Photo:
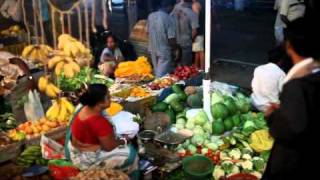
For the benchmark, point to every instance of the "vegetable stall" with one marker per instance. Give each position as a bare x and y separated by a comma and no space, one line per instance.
178,131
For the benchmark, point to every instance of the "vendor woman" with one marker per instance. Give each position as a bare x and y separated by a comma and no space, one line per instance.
91,141
110,57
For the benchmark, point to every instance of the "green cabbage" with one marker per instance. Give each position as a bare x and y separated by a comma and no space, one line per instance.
204,151
198,130
201,118
212,146
207,127
190,125
197,139
192,149
216,97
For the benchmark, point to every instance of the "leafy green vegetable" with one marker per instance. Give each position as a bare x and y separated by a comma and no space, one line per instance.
171,114
258,164
228,124
216,97
243,103
227,166
201,118
249,127
190,125
219,111
198,130
160,107
197,139
176,106
265,155
207,127
192,149
217,127
170,98
231,105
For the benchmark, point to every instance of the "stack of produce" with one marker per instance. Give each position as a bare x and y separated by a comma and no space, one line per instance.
45,86
34,129
185,72
64,65
7,122
138,70
139,92
173,104
86,75
60,111
114,109
11,31
37,53
73,48
235,141
31,155
161,83
226,111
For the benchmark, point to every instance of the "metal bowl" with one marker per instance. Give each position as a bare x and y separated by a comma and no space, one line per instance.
147,135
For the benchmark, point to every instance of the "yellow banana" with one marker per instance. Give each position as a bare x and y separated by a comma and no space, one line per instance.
68,71
54,61
55,89
69,106
50,91
67,50
26,51
69,59
59,68
53,112
42,83
75,67
62,113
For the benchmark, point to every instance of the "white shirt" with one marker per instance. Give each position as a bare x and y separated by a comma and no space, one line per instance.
292,9
266,85
298,70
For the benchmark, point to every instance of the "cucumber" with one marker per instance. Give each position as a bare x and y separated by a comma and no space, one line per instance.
160,107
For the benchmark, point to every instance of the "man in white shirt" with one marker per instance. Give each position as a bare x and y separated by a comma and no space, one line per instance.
268,80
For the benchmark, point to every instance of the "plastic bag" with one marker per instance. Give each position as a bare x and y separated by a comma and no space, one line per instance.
61,169
51,149
33,108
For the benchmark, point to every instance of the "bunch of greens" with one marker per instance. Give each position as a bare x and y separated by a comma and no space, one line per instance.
86,75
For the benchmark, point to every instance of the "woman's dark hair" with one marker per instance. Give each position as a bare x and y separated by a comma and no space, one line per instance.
111,36
94,94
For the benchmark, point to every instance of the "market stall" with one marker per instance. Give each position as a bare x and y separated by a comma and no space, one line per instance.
182,126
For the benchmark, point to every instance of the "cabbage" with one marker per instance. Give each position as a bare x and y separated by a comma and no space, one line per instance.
212,146
243,103
201,118
180,126
190,125
207,135
208,127
216,97
186,143
198,130
248,127
180,121
197,139
192,149
204,151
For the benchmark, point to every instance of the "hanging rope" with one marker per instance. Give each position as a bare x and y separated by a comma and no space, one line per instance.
79,23
25,21
105,15
69,23
86,19
41,23
35,24
54,30
93,15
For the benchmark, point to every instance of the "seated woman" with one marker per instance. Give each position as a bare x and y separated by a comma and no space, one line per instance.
111,56
268,79
91,141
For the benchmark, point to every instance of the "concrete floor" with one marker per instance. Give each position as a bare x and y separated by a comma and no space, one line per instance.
241,44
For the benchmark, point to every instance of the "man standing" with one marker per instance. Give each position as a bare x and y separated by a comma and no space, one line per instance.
288,10
187,23
294,124
162,39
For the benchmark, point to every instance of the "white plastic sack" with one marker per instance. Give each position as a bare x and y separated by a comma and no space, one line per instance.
33,108
124,124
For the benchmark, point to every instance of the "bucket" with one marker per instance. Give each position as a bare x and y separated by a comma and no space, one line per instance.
197,167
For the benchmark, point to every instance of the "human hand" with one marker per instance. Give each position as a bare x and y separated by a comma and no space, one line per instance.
272,107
